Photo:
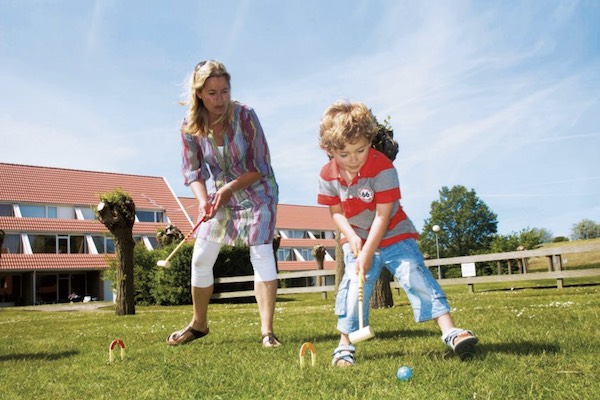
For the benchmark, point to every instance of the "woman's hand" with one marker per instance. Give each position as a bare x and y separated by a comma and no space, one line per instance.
222,196
204,208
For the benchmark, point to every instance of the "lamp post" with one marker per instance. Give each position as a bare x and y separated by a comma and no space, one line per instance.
436,229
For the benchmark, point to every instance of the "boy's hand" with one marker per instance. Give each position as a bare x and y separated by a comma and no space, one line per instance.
355,243
363,265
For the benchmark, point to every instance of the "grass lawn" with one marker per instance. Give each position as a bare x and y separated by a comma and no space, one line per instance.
535,343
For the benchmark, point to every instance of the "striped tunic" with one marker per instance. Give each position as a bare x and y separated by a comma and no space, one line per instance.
249,217
377,182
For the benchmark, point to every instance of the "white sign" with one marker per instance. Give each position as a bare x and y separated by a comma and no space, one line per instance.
468,269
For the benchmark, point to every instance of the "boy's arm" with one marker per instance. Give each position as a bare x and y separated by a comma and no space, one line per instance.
340,220
378,229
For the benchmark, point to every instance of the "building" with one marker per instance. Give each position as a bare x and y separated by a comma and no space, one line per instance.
300,228
53,247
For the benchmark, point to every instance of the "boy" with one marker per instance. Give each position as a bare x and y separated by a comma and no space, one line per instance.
360,186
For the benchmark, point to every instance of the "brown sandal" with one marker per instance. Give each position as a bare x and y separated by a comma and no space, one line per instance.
270,340
195,334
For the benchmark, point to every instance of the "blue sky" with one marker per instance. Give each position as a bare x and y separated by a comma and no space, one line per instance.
502,97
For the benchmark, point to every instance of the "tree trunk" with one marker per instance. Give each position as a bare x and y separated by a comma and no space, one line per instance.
339,260
125,301
116,211
382,293
276,243
319,252
385,143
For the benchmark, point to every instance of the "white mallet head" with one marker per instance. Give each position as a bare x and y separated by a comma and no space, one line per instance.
163,263
361,335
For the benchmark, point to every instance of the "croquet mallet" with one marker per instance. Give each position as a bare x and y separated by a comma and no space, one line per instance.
364,332
166,263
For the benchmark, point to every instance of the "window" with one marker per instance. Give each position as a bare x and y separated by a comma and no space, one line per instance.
286,255
31,211
63,244
322,234
104,244
66,213
331,252
43,243
154,242
58,244
12,244
100,245
110,245
77,245
293,234
6,210
150,216
88,213
306,254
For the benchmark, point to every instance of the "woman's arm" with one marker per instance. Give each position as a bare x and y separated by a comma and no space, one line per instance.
225,193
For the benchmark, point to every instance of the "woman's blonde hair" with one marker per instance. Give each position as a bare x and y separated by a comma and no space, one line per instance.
197,115
344,122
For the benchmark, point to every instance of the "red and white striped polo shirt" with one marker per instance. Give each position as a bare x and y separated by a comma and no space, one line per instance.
376,183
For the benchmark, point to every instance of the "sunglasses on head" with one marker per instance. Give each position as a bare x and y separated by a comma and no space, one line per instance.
200,65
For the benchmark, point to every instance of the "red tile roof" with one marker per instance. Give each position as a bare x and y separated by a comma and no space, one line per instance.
68,226
59,186
289,216
303,265
304,217
306,242
54,262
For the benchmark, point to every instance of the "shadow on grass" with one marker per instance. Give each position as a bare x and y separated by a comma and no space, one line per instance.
518,348
481,350
246,300
386,335
401,334
38,356
549,286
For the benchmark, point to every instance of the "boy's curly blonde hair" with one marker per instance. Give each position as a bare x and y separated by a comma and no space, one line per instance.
344,122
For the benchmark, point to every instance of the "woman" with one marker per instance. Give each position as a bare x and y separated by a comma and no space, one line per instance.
223,140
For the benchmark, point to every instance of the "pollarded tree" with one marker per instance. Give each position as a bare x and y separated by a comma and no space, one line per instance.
169,235
318,253
116,211
385,143
467,224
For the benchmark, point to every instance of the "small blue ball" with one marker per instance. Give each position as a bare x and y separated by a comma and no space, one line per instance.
404,373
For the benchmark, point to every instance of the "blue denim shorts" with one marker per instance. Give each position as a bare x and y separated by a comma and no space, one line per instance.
405,261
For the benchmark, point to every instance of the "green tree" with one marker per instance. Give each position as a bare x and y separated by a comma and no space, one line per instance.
467,224
585,229
531,238
504,243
